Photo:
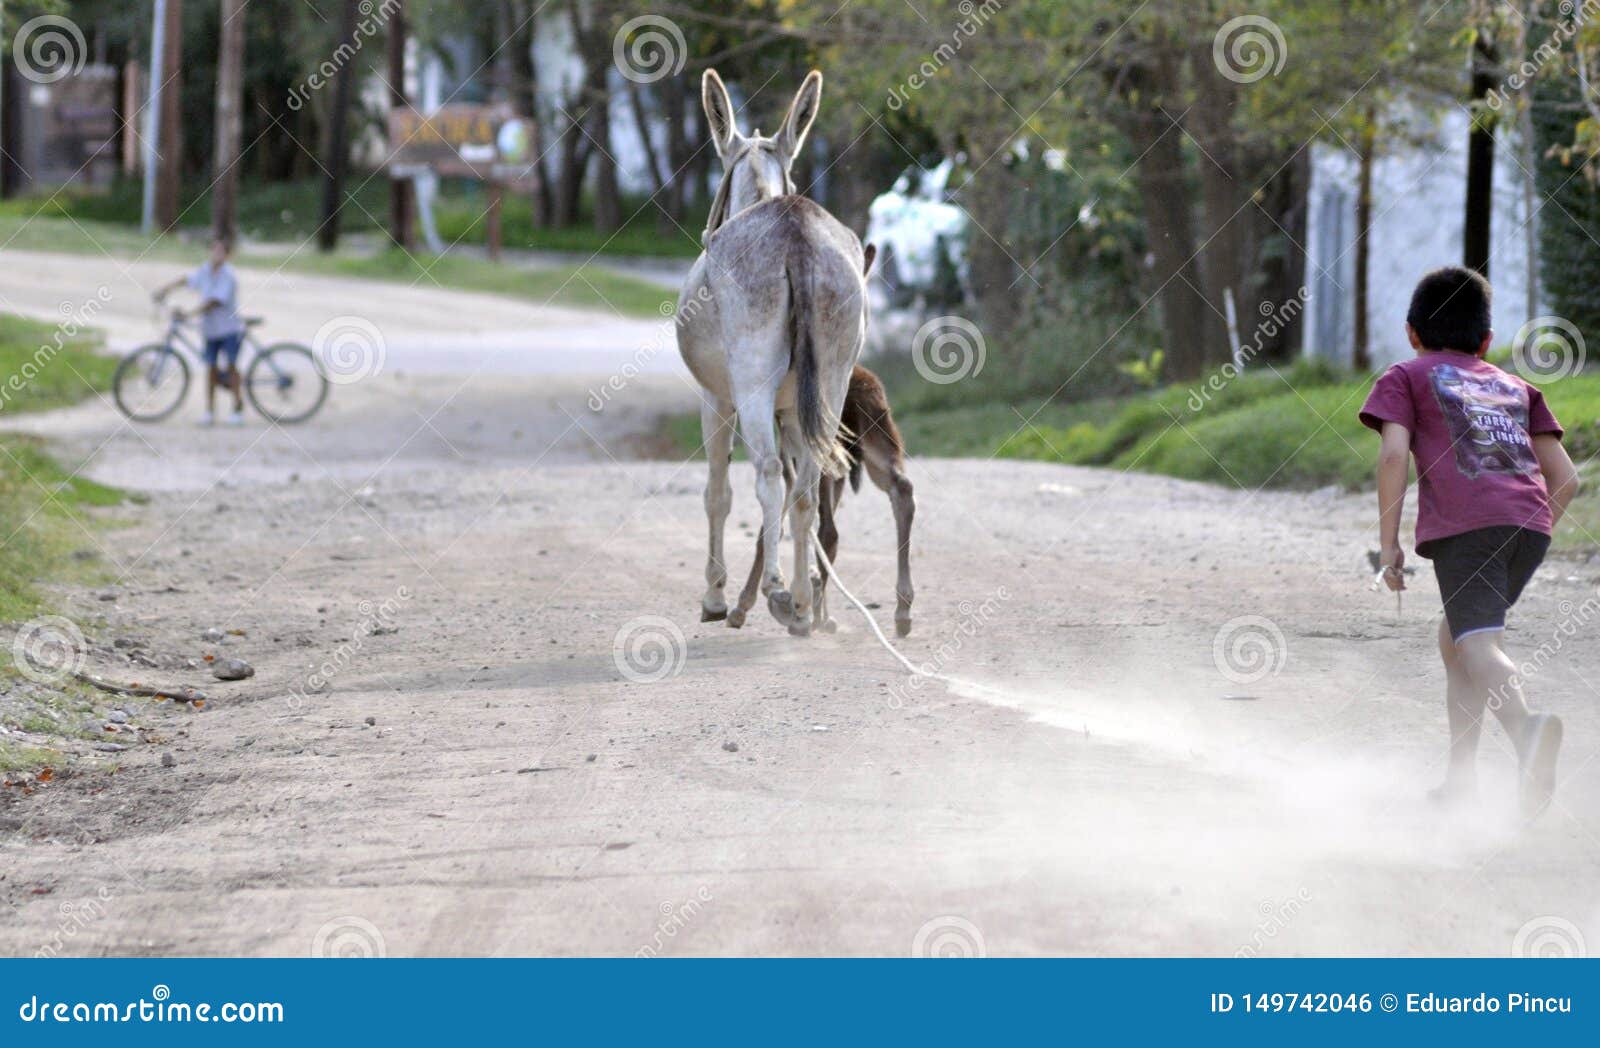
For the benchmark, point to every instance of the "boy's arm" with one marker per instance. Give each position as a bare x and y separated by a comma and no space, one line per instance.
1560,475
1394,464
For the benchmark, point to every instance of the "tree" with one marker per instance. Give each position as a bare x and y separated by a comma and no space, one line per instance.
336,141
230,82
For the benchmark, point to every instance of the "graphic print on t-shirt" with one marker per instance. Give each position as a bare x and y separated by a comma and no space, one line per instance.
1488,420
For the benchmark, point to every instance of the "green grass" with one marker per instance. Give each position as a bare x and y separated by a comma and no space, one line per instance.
583,287
43,509
292,211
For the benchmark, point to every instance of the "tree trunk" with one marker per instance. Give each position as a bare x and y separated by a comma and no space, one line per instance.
1366,144
401,206
169,163
1480,159
229,129
1227,227
336,144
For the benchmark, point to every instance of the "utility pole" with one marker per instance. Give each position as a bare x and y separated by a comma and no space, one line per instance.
336,147
229,130
152,117
171,153
400,202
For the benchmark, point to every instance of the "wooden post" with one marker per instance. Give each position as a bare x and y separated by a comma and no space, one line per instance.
229,122
169,147
132,81
336,145
401,207
492,222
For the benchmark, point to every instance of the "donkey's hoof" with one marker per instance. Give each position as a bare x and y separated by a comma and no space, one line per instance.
736,618
712,614
781,604
902,627
800,629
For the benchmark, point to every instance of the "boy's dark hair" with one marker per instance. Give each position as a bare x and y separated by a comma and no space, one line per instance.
1450,309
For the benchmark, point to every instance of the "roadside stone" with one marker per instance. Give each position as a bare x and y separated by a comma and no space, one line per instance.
372,721
211,635
168,760
110,747
117,717
731,747
232,669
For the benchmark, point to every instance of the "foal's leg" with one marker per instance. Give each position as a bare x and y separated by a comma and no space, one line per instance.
716,431
887,470
831,491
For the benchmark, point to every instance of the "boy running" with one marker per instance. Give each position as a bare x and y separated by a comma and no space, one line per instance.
218,288
1492,482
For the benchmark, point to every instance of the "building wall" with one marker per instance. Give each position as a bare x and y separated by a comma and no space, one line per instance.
1419,193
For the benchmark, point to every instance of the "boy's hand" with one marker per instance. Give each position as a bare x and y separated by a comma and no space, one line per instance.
1393,562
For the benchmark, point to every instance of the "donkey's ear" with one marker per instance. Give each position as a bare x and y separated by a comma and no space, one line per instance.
719,111
802,111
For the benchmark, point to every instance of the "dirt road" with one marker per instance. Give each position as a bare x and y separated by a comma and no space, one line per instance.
1191,729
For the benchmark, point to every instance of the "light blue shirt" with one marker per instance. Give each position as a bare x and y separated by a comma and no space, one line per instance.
222,286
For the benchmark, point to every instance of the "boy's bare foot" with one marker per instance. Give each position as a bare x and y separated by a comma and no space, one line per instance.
1541,742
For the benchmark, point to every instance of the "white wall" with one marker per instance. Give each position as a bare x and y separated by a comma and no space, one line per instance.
1419,194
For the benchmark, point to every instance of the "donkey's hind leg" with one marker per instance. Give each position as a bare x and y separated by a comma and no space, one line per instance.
716,430
757,423
747,597
802,519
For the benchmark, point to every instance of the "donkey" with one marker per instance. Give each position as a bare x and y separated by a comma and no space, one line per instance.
770,321
872,440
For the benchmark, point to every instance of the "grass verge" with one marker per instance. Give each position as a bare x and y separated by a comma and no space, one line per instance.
46,527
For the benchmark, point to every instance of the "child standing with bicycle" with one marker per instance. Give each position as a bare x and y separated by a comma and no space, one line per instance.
218,287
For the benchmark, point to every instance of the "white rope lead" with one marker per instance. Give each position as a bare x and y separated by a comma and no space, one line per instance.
833,573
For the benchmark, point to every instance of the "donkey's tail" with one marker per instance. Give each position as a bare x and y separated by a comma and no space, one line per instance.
819,421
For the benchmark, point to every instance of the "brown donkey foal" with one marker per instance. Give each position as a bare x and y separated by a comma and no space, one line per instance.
872,442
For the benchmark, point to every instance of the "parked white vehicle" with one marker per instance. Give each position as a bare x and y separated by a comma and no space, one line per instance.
906,223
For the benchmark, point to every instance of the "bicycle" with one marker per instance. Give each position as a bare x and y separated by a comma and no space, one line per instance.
284,381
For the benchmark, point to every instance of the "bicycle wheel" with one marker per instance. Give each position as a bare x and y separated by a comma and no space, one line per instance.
151,382
285,383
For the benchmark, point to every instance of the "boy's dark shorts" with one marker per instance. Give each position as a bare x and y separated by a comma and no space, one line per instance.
223,353
1482,573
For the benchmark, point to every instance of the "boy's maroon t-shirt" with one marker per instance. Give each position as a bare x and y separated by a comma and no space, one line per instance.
1472,428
